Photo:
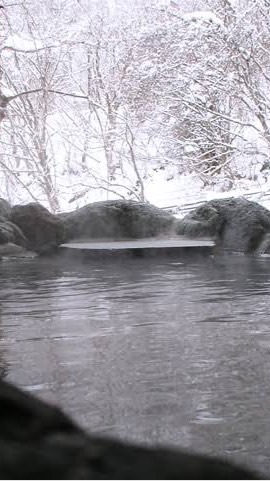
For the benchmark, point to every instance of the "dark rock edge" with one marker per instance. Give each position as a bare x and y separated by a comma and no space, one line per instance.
38,441
235,224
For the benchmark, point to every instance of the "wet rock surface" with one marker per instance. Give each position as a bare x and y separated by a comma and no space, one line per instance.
237,224
43,230
117,219
5,209
34,227
10,232
39,441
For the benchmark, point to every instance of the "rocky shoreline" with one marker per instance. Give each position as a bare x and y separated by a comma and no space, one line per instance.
38,441
235,224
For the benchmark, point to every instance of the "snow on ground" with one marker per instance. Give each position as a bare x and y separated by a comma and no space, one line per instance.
178,194
184,193
203,16
20,42
78,183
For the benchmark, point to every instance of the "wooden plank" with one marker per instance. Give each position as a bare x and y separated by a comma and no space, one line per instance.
140,244
141,247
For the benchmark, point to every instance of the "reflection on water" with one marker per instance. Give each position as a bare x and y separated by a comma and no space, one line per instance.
158,352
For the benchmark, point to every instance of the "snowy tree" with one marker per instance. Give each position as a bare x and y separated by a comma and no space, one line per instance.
200,81
93,95
183,79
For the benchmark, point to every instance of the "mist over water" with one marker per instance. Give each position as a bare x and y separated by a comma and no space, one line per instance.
156,351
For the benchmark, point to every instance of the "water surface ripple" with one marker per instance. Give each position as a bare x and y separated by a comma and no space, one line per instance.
153,351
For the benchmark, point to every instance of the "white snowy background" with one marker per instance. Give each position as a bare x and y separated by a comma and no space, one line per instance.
161,101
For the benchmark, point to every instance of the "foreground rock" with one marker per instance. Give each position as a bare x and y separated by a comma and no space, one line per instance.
237,224
43,230
117,219
39,442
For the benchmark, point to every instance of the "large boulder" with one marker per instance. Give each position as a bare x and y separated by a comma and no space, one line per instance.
264,246
43,230
117,219
10,232
237,224
5,208
38,441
